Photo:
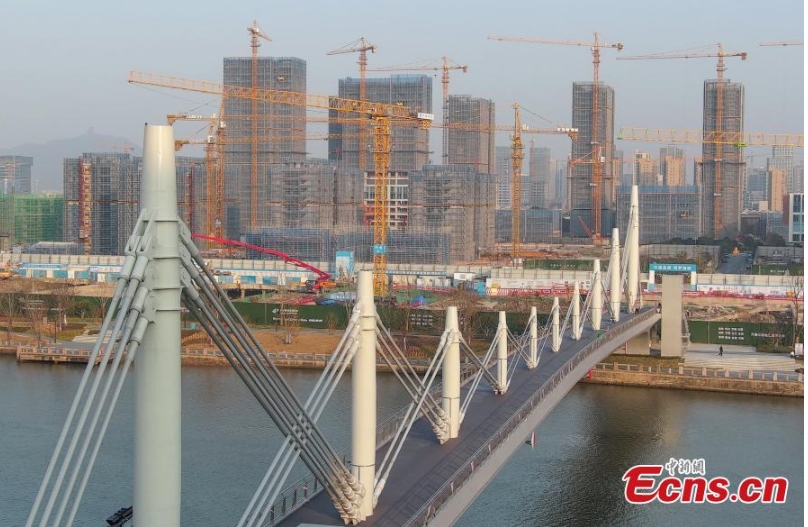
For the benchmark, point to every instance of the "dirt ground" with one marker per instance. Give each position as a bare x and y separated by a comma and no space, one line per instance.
274,341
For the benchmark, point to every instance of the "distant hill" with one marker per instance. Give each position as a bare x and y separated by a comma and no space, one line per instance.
49,157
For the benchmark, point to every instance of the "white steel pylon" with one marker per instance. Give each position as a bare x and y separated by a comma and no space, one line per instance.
363,385
576,311
451,373
614,275
597,296
502,355
533,356
556,344
158,449
633,250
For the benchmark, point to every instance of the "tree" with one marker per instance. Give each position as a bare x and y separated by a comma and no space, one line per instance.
10,306
63,299
36,308
796,294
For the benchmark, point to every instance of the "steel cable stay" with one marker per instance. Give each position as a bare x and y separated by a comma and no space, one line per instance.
122,340
134,344
263,365
401,434
132,273
328,469
566,321
315,465
412,383
268,491
482,370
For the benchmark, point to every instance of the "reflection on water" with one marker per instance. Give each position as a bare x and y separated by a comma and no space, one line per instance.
572,477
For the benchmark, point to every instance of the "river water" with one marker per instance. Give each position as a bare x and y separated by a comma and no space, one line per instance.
571,477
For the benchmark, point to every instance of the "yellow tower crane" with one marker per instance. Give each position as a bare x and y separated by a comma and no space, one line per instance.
360,46
783,43
214,166
720,54
256,33
380,114
445,67
517,157
594,157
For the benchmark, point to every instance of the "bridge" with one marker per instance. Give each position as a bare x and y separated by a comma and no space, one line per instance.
425,466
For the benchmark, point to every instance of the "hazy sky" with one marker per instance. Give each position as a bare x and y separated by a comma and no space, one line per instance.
65,64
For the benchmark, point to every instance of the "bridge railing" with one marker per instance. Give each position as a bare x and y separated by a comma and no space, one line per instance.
462,475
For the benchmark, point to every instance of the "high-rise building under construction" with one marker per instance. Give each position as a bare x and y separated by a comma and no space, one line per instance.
721,178
409,144
588,150
15,174
107,187
467,146
279,130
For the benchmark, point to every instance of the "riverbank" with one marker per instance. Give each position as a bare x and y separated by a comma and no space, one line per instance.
757,383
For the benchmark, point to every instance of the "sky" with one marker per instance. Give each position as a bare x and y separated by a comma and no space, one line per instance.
65,64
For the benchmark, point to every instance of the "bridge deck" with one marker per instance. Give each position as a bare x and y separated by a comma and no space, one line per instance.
423,466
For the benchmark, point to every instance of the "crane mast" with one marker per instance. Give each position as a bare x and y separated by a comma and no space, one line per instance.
445,68
517,156
360,46
381,115
718,159
595,152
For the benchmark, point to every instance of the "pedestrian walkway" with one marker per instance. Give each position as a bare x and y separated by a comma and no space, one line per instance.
737,358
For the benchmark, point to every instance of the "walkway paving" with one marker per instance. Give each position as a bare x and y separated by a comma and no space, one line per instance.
737,358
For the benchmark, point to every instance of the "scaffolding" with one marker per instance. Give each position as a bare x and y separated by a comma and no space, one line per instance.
409,144
106,186
666,212
285,123
729,195
580,185
474,148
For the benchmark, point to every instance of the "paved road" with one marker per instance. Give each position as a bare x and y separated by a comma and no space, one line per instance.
733,265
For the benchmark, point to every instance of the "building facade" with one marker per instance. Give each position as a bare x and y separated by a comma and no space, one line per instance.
15,174
34,218
673,166
795,218
541,179
665,212
504,177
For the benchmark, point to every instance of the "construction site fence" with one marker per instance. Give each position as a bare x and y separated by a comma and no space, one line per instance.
741,333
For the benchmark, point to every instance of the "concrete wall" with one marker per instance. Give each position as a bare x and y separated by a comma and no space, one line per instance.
687,382
672,289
